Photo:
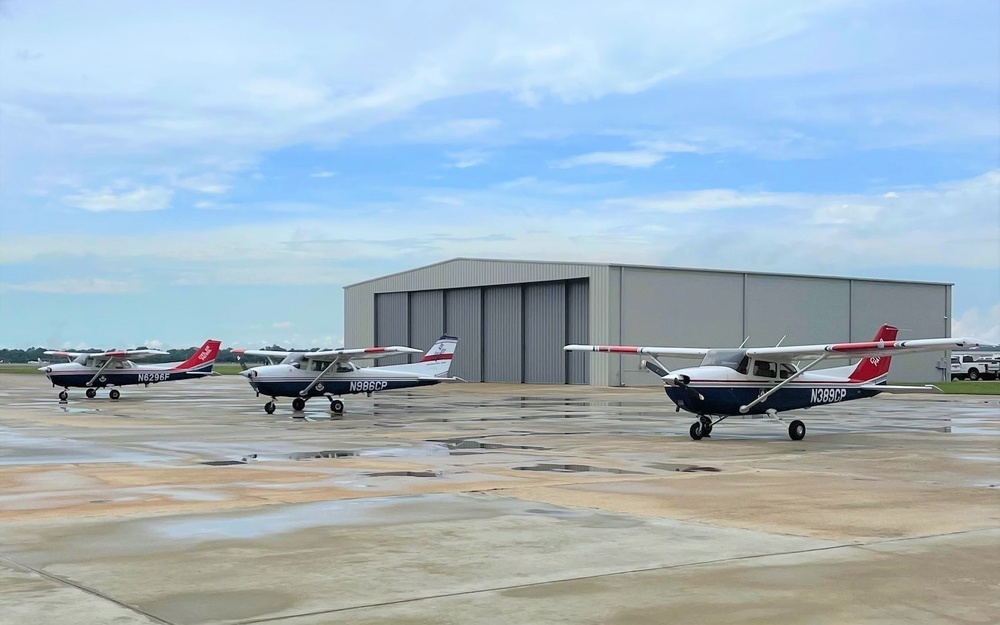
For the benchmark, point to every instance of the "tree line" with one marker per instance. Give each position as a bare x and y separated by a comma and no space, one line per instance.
37,353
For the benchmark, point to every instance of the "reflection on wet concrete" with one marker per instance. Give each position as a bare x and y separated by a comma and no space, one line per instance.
484,504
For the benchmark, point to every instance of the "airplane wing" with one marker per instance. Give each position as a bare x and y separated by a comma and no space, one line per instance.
265,353
676,352
860,350
119,354
129,354
70,355
360,353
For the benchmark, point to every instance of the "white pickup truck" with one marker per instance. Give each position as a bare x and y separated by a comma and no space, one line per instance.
967,366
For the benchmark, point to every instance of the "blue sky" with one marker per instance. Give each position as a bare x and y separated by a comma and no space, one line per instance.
173,171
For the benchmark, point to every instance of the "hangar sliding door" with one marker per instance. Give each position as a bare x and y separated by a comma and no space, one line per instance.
391,324
577,331
463,318
545,333
502,334
426,320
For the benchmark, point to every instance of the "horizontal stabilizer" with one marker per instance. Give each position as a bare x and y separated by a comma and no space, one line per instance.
885,388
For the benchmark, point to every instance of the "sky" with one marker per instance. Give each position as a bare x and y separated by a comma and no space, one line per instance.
181,170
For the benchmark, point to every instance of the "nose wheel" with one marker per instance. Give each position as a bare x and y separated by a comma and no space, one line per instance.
702,428
63,395
269,407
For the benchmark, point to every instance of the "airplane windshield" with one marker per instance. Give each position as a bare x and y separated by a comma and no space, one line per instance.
733,358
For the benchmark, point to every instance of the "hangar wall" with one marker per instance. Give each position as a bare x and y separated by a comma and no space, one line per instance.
513,317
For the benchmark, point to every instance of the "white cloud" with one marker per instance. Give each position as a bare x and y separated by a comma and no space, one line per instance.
646,154
282,325
206,183
454,130
81,286
322,174
468,158
141,199
976,323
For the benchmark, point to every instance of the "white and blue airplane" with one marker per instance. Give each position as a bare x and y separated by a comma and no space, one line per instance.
332,373
766,380
115,368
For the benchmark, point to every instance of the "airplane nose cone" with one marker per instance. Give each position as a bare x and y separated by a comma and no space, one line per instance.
45,369
249,374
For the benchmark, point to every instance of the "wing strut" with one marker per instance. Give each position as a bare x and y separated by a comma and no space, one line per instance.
99,371
745,409
306,390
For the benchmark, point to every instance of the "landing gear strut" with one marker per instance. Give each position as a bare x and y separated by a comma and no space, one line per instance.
91,393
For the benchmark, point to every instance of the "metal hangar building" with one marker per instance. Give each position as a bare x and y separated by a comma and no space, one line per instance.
513,317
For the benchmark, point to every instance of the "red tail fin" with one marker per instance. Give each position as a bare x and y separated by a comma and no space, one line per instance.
876,366
205,355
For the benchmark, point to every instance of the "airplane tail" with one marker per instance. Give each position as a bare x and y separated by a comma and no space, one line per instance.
437,361
875,367
203,359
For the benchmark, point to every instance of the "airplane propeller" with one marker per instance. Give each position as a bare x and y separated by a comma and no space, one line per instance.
672,379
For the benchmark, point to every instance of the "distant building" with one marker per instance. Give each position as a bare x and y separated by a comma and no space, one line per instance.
513,317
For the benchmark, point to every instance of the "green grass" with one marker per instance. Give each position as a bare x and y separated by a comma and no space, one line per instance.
965,387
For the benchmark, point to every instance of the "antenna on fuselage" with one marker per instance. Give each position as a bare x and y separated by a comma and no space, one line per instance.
779,342
744,342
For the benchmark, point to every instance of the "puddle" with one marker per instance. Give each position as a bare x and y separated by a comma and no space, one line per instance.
576,468
683,468
405,474
223,463
466,443
330,453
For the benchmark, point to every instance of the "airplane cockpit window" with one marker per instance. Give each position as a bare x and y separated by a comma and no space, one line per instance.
786,371
118,364
81,360
318,365
731,358
344,367
765,369
292,359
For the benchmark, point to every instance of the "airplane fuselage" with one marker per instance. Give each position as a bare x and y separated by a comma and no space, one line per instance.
73,375
722,391
289,381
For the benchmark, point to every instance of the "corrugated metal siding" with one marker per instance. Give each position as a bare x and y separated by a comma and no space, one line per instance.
919,310
463,317
577,331
804,310
391,315
426,320
678,309
502,334
545,333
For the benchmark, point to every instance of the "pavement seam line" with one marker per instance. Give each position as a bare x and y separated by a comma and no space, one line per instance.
90,591
446,595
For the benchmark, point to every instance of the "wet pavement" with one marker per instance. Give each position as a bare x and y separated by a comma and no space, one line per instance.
481,503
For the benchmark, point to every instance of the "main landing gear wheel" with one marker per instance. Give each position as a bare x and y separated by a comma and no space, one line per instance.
695,431
706,425
63,395
114,394
336,406
298,404
91,393
269,407
796,430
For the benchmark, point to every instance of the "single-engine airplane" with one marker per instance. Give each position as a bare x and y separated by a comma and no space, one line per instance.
331,373
765,380
115,368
